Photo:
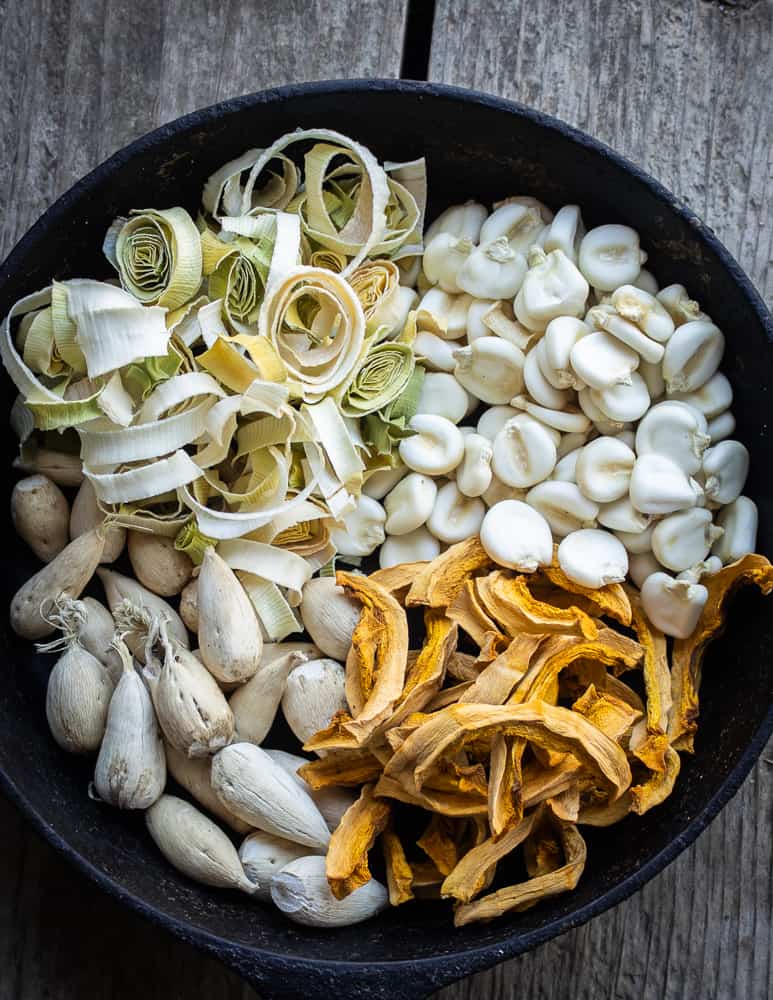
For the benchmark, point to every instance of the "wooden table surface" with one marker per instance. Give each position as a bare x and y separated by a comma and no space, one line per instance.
680,86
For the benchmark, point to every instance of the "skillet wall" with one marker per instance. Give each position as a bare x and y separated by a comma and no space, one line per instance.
474,149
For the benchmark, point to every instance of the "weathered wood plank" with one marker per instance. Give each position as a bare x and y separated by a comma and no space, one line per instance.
81,79
680,87
61,938
683,89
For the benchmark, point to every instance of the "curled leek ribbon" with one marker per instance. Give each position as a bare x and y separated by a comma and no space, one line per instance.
328,259
381,378
374,283
240,281
333,204
315,322
157,254
193,542
383,430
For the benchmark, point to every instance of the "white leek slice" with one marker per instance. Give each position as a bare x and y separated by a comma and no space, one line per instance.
144,441
300,513
223,190
215,186
228,524
260,397
221,425
240,280
338,499
65,412
177,390
263,355
137,517
38,346
251,226
375,283
115,402
322,558
328,259
209,321
265,397
279,566
331,206
367,225
65,331
24,379
314,320
269,431
379,378
228,366
334,438
114,329
287,248
412,174
263,486
402,236
275,614
157,254
150,480
183,322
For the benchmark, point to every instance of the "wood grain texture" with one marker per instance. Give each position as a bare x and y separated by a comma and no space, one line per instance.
681,87
81,78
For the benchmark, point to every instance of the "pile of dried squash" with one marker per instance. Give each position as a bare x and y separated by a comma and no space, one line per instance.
517,745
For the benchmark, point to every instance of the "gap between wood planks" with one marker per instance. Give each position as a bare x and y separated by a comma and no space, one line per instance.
417,41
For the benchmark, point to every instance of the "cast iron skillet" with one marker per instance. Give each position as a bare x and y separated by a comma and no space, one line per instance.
476,146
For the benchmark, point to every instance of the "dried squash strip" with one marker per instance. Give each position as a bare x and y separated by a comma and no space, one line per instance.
448,731
470,875
510,602
344,768
398,578
441,580
655,669
439,843
613,716
505,785
566,804
446,803
426,880
448,696
398,871
613,685
558,652
463,666
687,656
658,786
611,600
495,682
468,613
426,677
540,783
375,666
526,894
605,813
652,751
346,865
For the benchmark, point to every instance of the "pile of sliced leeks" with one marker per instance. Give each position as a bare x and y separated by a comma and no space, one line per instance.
245,372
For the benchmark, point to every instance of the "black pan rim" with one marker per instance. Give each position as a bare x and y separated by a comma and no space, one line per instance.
472,959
